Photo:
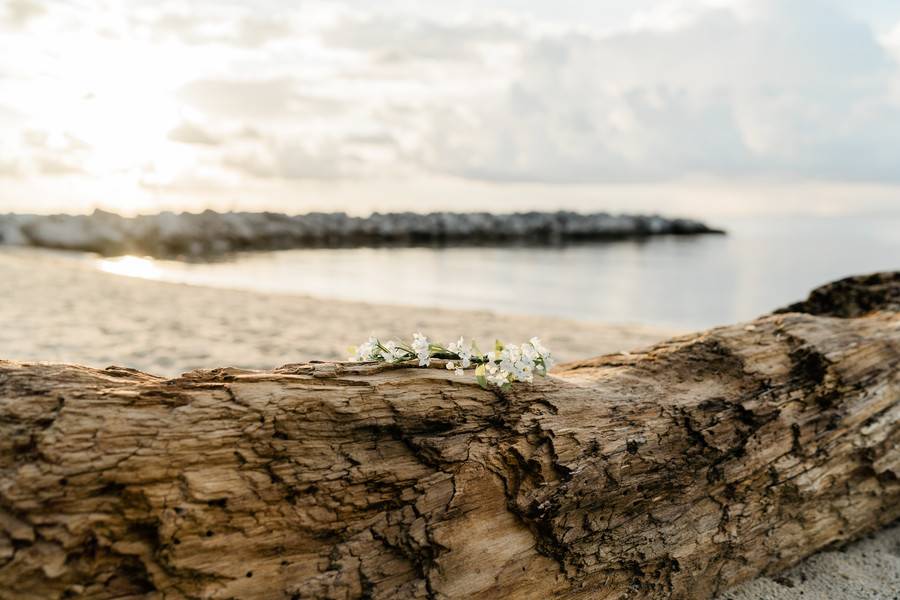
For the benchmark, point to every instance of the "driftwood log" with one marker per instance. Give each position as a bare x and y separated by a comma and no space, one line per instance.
670,473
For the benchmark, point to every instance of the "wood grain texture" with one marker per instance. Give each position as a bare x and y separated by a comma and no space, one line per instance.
670,473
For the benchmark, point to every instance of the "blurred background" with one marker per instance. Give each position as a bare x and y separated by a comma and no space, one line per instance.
777,121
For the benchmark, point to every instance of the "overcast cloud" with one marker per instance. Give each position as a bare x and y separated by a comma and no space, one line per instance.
231,96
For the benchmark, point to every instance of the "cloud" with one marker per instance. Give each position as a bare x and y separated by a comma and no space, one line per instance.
393,39
254,31
39,139
201,27
728,90
297,161
373,139
43,153
57,165
10,168
793,90
240,98
190,133
20,13
262,99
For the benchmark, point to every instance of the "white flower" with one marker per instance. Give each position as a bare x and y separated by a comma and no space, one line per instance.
463,351
366,351
422,347
496,375
394,352
544,353
537,345
453,367
518,362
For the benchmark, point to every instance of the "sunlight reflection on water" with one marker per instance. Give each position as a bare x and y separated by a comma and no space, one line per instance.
131,266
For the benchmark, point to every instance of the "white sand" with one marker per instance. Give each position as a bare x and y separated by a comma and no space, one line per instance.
61,310
56,309
866,570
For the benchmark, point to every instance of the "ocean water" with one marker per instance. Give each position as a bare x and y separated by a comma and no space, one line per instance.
689,282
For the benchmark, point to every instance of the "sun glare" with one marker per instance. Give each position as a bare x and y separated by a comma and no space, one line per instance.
107,105
130,266
125,119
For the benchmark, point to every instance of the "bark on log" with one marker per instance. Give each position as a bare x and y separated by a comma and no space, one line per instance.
852,296
670,473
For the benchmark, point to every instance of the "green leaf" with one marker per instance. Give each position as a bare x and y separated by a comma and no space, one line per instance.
480,376
498,345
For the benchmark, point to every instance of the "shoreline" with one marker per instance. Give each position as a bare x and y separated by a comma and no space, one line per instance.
62,311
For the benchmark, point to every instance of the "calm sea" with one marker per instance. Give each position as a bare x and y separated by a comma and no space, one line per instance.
686,282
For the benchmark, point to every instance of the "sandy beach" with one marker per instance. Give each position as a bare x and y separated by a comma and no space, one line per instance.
62,310
58,309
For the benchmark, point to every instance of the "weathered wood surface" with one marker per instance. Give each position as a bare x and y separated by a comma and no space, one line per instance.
852,296
670,473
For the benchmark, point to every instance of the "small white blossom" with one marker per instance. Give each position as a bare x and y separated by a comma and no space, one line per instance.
544,353
366,351
394,353
463,351
496,375
518,362
537,345
454,367
422,347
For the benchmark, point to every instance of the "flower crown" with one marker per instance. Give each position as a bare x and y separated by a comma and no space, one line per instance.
501,367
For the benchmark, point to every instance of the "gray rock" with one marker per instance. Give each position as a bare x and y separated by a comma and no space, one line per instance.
210,233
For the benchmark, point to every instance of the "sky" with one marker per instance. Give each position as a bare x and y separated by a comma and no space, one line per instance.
692,106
